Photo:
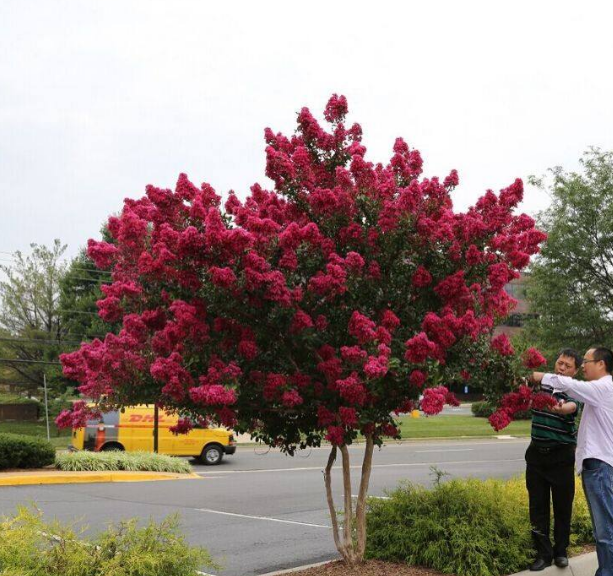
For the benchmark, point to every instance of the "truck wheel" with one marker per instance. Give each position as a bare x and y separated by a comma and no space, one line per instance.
212,455
112,447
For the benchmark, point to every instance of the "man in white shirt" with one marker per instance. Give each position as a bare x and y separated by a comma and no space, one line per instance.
594,456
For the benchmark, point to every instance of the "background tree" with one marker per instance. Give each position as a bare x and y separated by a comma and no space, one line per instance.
79,292
571,282
308,312
31,331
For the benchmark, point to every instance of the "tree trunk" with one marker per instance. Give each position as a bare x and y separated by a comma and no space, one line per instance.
351,549
360,509
348,508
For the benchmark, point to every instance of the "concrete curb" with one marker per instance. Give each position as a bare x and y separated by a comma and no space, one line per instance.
583,565
51,477
298,568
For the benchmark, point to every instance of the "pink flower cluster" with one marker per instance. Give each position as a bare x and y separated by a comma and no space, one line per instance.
435,398
183,426
419,348
523,399
502,345
532,358
78,416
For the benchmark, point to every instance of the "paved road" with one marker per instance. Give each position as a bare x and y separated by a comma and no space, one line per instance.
461,410
262,511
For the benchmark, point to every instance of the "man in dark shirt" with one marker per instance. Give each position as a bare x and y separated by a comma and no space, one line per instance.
550,469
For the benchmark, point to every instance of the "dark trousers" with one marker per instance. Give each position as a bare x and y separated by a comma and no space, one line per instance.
550,476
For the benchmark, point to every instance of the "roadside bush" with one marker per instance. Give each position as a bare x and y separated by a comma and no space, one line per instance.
115,461
16,399
464,527
29,547
484,409
17,451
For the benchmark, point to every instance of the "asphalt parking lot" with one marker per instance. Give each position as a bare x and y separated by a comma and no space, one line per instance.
260,510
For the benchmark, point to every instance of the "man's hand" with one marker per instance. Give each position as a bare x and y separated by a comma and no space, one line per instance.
564,408
557,409
537,377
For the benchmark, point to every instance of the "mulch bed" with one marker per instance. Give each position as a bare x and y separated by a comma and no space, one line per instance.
379,568
368,568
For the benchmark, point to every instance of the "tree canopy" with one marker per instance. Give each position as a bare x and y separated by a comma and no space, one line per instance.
47,307
30,322
571,281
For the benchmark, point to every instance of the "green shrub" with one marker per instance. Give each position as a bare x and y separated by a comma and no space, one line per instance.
113,461
17,451
30,547
484,409
464,527
16,399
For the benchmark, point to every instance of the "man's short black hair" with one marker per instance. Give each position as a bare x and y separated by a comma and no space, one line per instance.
572,353
604,354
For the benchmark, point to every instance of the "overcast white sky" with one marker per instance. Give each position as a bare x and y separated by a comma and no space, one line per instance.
98,99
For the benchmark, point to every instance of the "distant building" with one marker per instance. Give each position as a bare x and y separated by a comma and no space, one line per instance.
514,322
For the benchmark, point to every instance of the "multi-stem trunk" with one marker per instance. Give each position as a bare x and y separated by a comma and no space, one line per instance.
353,542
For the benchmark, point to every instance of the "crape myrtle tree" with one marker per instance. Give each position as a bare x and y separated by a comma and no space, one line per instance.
316,310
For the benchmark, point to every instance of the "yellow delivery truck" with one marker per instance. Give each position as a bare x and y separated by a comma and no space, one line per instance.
132,430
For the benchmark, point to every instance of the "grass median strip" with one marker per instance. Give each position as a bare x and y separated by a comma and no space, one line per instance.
59,438
115,461
455,426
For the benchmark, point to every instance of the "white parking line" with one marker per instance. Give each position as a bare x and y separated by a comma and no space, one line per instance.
429,451
261,518
358,467
407,442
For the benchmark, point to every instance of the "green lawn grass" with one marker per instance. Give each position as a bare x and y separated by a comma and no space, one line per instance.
39,429
446,426
450,426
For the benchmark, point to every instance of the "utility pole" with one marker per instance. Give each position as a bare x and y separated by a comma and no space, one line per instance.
156,428
46,405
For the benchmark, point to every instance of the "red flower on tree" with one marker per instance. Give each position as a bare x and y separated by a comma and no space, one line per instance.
502,345
533,359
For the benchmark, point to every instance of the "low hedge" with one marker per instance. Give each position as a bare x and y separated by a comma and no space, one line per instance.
18,451
115,460
29,546
16,399
464,527
484,409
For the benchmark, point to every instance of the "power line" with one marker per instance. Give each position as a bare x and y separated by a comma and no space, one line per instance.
13,361
82,337
77,277
37,341
80,268
65,310
91,279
